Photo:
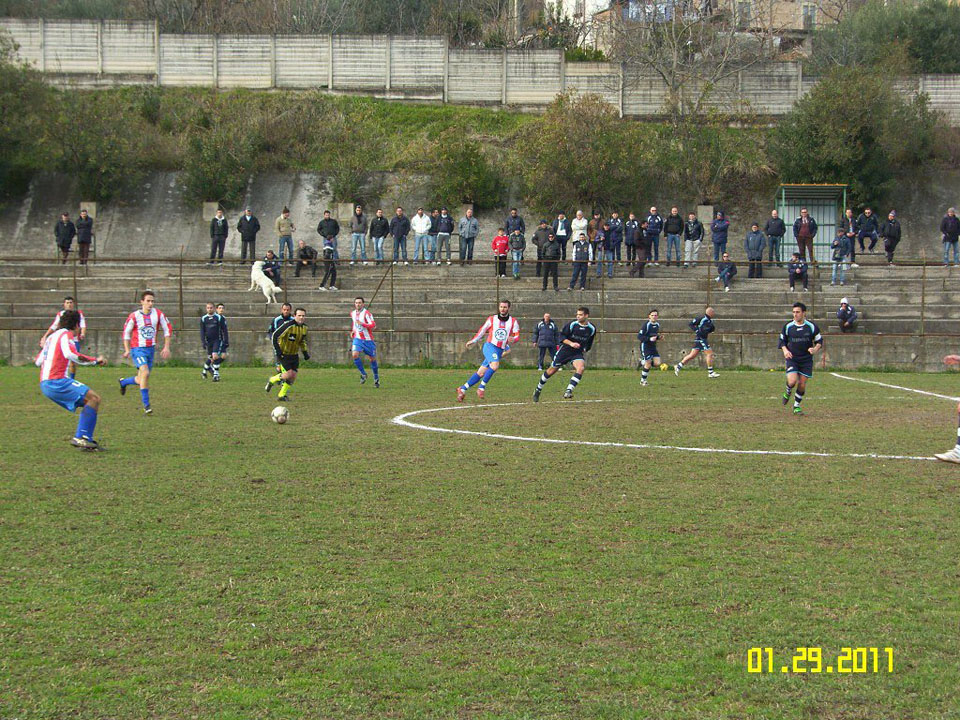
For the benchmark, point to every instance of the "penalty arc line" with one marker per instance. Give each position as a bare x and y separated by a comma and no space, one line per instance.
403,421
896,387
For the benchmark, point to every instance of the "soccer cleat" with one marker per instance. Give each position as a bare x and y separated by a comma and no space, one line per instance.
147,410
568,393
269,386
363,378
461,393
216,378
951,456
84,443
123,388
203,374
713,374
536,395
786,398
676,370
376,383
481,392
643,383
283,399
797,410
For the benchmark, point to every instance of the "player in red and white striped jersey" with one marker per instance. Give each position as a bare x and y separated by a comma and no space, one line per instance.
68,304
139,342
501,330
361,340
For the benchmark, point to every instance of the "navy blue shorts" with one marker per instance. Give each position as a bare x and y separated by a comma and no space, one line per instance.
803,366
699,344
565,355
649,351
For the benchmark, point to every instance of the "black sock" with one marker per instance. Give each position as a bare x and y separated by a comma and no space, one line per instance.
574,381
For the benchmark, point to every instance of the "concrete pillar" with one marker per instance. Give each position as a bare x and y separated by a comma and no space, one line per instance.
388,66
156,48
216,61
100,48
330,64
446,69
273,61
43,46
503,76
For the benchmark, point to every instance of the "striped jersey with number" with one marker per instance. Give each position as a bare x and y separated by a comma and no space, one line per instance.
56,321
362,324
499,332
142,329
58,352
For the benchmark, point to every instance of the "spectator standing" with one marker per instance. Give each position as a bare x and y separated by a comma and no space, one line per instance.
673,229
869,227
358,236
654,228
248,226
500,246
718,231
84,235
851,230
643,251
285,229
775,229
379,229
840,248
582,254
421,236
631,228
726,270
804,231
753,245
615,236
949,229
604,247
444,233
469,229
432,235
693,239
540,236
578,225
306,257
219,229
546,338
890,232
517,245
797,270
64,232
846,315
329,229
514,225
563,231
399,229
329,264
271,267
551,261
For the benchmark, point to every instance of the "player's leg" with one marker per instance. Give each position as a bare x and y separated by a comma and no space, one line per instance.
289,377
487,377
207,364
708,354
686,358
952,455
87,422
143,380
372,354
546,375
215,360
358,362
578,367
792,376
798,395
645,372
471,381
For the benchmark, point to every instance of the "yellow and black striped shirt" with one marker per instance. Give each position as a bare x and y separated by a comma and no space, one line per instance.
290,338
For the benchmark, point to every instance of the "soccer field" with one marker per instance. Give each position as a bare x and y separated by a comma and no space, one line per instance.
211,563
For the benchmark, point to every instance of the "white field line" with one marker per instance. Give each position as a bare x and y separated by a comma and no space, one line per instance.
896,387
403,420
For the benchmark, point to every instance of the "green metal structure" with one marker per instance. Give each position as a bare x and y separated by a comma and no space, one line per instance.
825,203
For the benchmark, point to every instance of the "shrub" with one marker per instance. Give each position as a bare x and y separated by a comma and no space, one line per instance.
461,173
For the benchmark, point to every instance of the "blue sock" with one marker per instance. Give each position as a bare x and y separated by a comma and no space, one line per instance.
359,363
474,379
72,375
145,396
376,369
486,377
128,381
86,423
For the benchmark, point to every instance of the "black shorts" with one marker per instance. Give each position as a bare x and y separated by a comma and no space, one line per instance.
648,351
290,362
804,366
565,355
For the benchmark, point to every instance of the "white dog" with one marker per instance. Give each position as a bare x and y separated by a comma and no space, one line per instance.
266,285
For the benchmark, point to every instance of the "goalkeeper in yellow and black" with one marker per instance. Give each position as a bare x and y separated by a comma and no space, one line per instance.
289,340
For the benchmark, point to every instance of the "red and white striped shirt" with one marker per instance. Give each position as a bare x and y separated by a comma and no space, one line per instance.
58,352
56,321
499,332
362,324
142,329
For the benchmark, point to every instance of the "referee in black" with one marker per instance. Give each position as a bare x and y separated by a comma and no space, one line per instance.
576,339
289,340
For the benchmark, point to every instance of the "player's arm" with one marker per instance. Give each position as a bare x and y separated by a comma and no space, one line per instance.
565,337
167,332
589,343
370,323
278,335
303,345
83,326
782,344
127,334
817,341
224,335
69,350
483,328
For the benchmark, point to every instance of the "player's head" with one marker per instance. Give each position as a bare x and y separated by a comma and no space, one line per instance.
799,311
300,315
210,308
220,308
286,309
70,319
546,317
654,314
69,303
358,303
146,300
709,312
583,314
504,308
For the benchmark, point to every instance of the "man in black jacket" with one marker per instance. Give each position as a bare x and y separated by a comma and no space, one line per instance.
84,235
248,226
869,227
219,229
775,229
546,338
950,229
64,232
673,228
444,234
692,240
540,236
271,267
399,229
328,228
306,257
631,228
890,232
379,229
551,251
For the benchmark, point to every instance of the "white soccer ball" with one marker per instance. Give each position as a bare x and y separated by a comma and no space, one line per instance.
280,414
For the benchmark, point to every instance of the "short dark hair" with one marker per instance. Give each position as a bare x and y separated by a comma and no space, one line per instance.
220,305
69,319
71,298
299,309
147,292
513,209
800,305
286,305
584,309
653,311
360,298
505,301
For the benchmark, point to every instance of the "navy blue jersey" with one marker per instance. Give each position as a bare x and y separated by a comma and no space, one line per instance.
649,333
213,332
798,339
702,327
578,333
277,322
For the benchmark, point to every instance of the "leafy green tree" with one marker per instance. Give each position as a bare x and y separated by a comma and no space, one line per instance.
23,97
219,160
460,171
854,128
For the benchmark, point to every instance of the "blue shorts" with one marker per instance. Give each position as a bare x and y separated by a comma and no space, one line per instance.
367,347
803,366
141,357
565,355
491,354
648,351
66,393
699,344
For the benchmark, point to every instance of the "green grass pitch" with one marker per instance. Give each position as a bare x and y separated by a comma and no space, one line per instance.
213,564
